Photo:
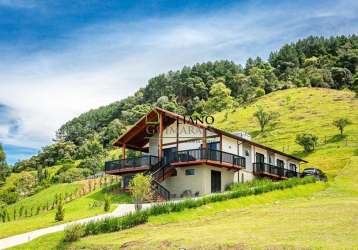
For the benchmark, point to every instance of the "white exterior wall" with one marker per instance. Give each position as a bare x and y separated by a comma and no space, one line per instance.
229,145
243,176
200,182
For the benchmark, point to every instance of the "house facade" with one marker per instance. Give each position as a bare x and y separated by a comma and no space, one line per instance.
188,158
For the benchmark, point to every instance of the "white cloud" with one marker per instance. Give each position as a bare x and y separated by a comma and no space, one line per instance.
107,62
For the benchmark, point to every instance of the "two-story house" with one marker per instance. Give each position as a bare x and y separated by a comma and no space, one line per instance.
188,158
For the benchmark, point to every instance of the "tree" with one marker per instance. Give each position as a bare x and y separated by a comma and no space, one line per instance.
342,77
307,141
265,118
94,164
91,148
140,188
341,123
26,183
110,133
220,98
60,212
4,169
107,202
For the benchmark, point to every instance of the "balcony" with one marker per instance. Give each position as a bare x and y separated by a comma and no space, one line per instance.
206,156
265,169
185,157
133,164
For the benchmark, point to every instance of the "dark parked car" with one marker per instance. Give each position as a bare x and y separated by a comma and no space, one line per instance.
319,174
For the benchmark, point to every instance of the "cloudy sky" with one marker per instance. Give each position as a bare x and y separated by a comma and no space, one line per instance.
59,59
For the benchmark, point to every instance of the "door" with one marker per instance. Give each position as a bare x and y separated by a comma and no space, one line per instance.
260,158
168,154
215,181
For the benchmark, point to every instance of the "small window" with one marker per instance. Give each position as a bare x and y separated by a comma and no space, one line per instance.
190,171
174,173
247,153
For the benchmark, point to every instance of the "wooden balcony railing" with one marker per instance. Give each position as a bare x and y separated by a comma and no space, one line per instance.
265,168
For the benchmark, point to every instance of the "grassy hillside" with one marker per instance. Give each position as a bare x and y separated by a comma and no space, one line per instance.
46,195
303,110
74,210
314,216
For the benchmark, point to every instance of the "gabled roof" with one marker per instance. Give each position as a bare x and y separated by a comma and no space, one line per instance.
137,136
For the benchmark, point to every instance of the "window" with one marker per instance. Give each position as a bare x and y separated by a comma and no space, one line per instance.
293,167
214,145
260,158
247,152
174,173
190,171
280,163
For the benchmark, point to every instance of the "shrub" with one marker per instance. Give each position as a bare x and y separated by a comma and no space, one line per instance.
140,187
73,174
60,213
107,202
307,141
108,225
73,232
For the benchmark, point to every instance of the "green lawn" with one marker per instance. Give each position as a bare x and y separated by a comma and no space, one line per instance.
318,216
74,210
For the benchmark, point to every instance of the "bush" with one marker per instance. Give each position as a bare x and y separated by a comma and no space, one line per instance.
73,232
307,141
107,202
108,225
73,174
60,213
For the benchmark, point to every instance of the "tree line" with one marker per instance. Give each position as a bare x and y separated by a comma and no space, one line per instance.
206,88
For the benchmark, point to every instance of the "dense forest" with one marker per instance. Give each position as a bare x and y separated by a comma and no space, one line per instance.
203,89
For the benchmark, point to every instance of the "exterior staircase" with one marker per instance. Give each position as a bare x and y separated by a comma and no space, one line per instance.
159,173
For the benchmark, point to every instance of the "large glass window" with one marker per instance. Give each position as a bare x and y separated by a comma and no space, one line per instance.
280,163
214,145
260,158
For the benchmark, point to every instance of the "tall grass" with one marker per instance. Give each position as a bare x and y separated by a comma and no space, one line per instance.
140,217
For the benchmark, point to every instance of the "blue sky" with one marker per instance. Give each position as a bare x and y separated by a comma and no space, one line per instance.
59,58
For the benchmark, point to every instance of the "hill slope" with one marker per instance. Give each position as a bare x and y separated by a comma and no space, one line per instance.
272,220
303,110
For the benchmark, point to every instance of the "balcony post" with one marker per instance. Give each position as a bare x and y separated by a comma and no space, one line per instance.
160,146
203,152
123,151
177,134
221,147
